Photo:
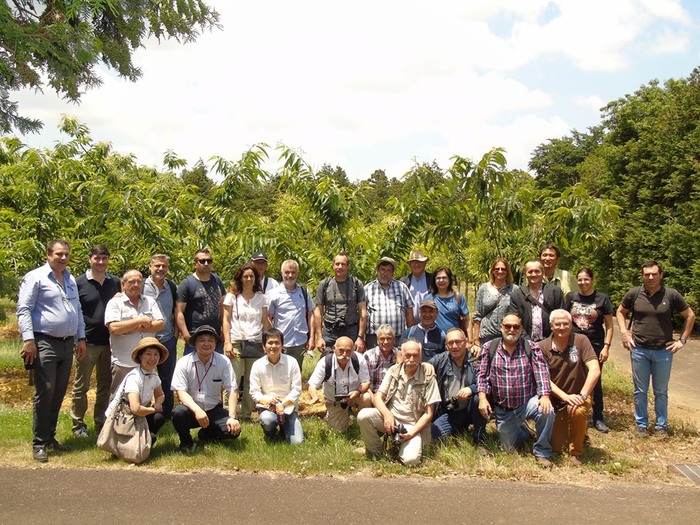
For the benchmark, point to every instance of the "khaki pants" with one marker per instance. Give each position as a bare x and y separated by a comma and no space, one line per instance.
97,357
371,425
339,418
570,429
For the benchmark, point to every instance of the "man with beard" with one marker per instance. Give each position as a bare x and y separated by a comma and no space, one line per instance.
291,311
403,407
513,382
534,302
345,381
200,297
388,302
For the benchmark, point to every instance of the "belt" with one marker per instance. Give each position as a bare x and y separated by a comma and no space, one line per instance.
332,325
66,338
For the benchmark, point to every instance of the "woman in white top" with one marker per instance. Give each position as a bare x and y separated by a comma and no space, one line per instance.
141,387
245,318
492,303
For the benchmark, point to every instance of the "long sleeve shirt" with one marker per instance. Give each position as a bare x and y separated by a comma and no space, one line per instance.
282,379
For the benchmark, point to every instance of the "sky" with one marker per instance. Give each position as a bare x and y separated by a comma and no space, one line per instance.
383,84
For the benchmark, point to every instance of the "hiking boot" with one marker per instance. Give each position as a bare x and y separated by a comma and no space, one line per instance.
642,432
662,433
187,448
543,462
575,461
55,445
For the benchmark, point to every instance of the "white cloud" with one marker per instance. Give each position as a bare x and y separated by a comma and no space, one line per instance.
372,84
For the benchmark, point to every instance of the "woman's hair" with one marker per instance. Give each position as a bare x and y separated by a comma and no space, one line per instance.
509,274
450,279
237,284
587,271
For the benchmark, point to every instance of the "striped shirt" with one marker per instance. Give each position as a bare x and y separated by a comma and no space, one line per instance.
387,305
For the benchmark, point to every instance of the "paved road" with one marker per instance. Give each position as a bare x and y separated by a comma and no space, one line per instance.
57,496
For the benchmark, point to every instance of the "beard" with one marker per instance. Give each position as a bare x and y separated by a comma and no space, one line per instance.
511,337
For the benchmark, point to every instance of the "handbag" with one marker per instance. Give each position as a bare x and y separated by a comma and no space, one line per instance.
125,435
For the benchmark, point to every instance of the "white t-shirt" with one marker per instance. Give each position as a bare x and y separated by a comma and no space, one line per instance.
137,380
246,316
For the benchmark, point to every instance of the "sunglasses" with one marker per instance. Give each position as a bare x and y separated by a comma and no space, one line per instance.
512,326
204,261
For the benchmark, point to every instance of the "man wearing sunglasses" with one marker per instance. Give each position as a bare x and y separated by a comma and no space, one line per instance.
513,383
199,300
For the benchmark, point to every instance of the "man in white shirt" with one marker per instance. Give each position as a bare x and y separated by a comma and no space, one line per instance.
275,386
199,379
345,379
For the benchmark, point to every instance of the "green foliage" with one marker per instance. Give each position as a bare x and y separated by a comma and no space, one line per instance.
60,43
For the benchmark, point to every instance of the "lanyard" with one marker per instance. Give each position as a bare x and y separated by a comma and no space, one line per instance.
206,371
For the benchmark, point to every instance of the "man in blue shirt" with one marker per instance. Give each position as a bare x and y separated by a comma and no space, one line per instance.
52,327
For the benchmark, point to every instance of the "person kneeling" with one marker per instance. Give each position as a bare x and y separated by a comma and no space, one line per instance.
404,407
345,379
199,380
457,382
275,386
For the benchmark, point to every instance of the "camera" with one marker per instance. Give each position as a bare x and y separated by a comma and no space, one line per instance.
340,325
399,428
451,404
342,401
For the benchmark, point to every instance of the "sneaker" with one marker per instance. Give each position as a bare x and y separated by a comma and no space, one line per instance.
40,454
600,426
543,462
58,446
662,433
642,432
81,433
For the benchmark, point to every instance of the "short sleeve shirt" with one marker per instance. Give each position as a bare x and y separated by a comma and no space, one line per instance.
652,325
340,300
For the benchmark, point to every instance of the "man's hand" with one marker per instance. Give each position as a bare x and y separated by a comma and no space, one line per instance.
545,405
628,341
389,423
574,400
202,418
360,345
353,396
80,349
485,407
464,393
604,354
28,352
233,426
674,346
321,344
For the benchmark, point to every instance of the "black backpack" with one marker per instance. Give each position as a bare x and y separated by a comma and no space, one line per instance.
329,365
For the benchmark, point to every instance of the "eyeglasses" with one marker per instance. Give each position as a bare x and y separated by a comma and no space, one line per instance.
442,278
204,261
511,326
455,342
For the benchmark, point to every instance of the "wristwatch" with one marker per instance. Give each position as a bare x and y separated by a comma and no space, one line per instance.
683,340
584,396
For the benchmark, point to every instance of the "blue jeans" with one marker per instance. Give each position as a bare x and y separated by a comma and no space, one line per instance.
449,423
656,364
292,426
512,432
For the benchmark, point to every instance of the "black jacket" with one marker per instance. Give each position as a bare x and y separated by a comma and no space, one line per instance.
429,280
521,302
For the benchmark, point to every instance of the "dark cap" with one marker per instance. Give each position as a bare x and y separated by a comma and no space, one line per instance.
202,330
259,256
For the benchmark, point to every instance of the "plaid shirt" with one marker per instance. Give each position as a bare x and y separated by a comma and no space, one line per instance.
387,306
378,365
513,379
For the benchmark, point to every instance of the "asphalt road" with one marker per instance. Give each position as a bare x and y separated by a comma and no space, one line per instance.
57,496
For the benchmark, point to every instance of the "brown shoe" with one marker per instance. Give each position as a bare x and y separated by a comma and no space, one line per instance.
575,461
543,462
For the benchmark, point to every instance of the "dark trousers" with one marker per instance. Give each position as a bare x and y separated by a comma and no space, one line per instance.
598,389
52,366
155,421
450,423
184,420
165,372
331,335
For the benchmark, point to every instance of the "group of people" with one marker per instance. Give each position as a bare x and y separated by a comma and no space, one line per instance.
403,355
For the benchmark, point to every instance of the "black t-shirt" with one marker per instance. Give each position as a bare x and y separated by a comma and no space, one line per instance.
588,312
203,300
652,325
93,300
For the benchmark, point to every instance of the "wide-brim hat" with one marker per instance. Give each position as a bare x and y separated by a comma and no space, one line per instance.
148,342
386,260
204,329
417,255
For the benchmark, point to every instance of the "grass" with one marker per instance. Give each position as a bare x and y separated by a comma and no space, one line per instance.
617,456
